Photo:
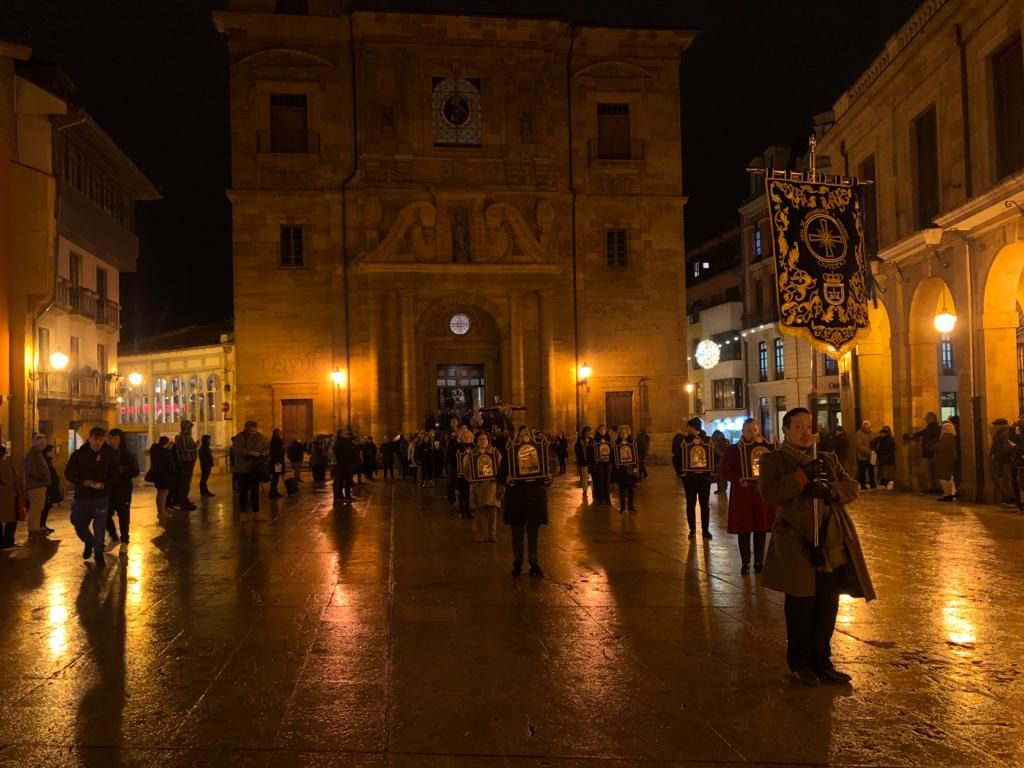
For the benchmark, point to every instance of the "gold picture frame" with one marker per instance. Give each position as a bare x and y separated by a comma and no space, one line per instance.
483,465
625,454
528,460
698,455
750,458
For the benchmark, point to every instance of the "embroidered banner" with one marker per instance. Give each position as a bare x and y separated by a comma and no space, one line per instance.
820,269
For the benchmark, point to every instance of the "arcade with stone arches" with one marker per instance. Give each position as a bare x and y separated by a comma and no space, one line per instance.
904,366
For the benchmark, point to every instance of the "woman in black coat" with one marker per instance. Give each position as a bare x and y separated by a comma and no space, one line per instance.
525,508
626,475
884,447
562,452
163,472
601,459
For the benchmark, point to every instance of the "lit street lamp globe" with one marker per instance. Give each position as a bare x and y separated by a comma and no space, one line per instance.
59,361
135,378
945,321
708,354
338,377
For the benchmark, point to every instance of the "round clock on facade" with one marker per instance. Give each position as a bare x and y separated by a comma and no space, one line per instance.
459,324
456,111
708,354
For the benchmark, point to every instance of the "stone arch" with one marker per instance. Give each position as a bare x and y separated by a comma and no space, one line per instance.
874,370
1000,321
930,295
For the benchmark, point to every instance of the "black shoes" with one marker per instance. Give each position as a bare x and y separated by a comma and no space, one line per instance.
113,536
692,535
517,571
833,676
536,571
945,498
745,569
758,567
276,495
707,536
208,495
805,676
87,552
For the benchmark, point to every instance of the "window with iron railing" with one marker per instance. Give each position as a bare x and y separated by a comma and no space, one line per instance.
780,360
291,253
289,123
616,248
762,361
947,362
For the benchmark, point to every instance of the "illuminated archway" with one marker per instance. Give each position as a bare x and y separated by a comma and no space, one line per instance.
1003,367
874,370
930,296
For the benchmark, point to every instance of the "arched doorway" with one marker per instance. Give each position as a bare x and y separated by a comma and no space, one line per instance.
1003,335
459,347
934,363
873,357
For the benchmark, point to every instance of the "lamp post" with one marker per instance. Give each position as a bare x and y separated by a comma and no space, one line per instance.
582,390
338,380
690,406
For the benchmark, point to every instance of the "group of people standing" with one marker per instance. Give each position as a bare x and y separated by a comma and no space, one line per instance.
601,461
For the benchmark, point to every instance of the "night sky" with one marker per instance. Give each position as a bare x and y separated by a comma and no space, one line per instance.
154,74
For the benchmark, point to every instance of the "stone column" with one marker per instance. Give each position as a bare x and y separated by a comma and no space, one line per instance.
516,361
547,359
410,405
373,364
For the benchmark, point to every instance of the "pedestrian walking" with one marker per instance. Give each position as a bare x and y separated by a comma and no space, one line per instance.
814,554
121,489
464,447
186,452
162,473
54,493
276,462
37,480
749,515
643,449
369,454
345,459
928,437
583,453
697,484
296,454
1001,462
483,490
720,443
387,459
627,471
945,461
601,458
11,489
92,469
561,451
884,447
451,447
865,461
251,452
205,454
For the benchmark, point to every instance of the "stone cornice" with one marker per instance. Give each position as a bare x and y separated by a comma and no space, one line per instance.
893,47
448,269
988,207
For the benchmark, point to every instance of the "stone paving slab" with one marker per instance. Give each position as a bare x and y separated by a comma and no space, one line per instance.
378,634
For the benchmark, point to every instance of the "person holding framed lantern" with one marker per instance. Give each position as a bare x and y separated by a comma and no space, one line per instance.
748,512
627,468
525,506
601,453
698,466
481,474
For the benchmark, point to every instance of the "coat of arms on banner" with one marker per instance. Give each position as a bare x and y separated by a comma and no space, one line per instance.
750,457
821,273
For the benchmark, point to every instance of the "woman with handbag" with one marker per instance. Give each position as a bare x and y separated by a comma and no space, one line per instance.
251,453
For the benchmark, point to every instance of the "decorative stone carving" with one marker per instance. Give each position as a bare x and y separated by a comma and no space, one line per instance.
526,128
412,236
372,219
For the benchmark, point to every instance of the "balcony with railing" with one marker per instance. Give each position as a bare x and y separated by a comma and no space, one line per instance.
288,142
621,150
76,386
83,302
108,313
62,295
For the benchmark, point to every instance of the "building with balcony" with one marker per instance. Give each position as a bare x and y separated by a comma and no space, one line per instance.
718,369
71,223
448,209
185,374
937,123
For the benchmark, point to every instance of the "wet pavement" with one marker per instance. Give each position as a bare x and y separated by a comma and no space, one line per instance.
380,635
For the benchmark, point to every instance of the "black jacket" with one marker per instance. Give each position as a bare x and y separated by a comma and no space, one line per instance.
276,451
526,503
205,457
296,451
162,468
345,453
127,470
99,466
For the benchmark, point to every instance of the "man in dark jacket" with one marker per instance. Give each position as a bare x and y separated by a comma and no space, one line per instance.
205,466
185,454
929,437
1001,460
643,448
92,469
697,483
296,453
121,490
37,480
345,457
276,462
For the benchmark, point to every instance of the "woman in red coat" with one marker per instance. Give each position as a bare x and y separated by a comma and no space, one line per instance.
748,513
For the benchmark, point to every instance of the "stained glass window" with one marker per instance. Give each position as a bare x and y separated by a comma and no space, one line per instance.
456,112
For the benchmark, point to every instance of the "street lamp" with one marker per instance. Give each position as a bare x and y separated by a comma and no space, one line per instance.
582,389
338,380
135,378
59,361
339,377
945,320
584,374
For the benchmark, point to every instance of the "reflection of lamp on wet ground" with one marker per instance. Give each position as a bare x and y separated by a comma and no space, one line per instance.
945,320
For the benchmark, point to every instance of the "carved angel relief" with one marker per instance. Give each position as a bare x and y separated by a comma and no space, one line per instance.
422,232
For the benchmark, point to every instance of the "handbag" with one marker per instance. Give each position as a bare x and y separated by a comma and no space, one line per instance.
873,460
149,476
262,467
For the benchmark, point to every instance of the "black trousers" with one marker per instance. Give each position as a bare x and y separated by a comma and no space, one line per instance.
744,541
453,478
248,491
865,473
185,470
603,483
462,486
561,464
810,622
204,477
123,509
7,531
342,482
698,487
46,511
275,478
626,491
531,531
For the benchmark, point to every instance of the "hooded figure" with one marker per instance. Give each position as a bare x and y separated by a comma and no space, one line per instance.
185,454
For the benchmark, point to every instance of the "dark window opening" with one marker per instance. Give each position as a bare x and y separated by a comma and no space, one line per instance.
616,248
762,361
613,132
1008,97
293,7
780,359
925,147
289,123
947,363
831,366
291,246
728,394
869,210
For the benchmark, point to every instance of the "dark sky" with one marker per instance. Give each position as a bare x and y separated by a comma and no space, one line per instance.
154,74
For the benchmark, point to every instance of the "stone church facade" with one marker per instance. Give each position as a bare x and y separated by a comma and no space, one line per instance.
448,209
